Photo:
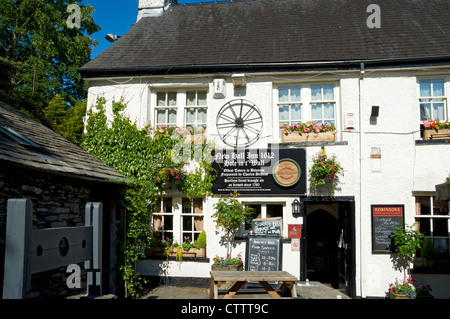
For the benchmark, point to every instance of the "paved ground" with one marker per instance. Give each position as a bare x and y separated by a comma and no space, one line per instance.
440,284
314,290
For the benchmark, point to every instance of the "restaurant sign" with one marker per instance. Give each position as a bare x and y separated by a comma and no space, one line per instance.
260,171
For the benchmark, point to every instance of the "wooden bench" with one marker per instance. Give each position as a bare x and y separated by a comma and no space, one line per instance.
241,277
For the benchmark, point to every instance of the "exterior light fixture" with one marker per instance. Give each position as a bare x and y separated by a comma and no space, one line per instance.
238,80
111,37
296,208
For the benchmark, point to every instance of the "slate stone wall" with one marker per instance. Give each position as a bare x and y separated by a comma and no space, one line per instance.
57,202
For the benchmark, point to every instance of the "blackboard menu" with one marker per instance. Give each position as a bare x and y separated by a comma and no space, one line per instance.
384,219
267,226
264,253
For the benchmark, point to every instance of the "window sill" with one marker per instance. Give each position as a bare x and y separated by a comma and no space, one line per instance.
173,258
433,142
306,144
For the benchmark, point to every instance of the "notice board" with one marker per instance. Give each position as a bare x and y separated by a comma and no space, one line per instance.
264,172
267,226
384,219
264,253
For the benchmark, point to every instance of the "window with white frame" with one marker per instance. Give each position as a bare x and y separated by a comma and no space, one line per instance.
432,101
433,221
196,110
323,104
166,109
289,105
163,219
178,219
303,103
191,219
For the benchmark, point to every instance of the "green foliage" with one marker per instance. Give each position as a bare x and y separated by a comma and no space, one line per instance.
407,242
144,157
40,55
325,170
230,214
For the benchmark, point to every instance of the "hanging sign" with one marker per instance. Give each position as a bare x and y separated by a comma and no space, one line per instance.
260,171
295,244
384,219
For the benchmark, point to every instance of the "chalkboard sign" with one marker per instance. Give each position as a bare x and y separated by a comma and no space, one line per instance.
384,219
267,226
264,253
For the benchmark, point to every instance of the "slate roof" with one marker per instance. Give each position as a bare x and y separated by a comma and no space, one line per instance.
56,155
269,34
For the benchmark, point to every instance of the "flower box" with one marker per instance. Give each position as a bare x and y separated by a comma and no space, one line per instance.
159,252
397,296
308,137
436,134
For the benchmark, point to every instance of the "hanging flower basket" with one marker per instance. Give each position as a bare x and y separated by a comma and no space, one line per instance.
325,171
308,132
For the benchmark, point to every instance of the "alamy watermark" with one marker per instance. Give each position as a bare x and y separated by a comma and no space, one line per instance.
374,20
74,19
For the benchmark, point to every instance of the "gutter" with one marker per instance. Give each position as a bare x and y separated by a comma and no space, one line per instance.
88,72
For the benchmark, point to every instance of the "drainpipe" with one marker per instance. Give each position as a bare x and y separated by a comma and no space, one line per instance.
361,232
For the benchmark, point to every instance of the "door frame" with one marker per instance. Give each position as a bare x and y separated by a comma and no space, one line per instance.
346,204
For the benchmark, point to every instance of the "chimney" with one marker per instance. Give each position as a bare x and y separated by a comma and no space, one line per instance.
153,8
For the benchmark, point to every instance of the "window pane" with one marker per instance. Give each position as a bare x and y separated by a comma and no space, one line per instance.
201,98
187,223
425,111
161,99
172,97
316,111
283,94
172,116
168,222
441,245
316,92
190,98
328,111
284,112
438,87
295,94
423,205
425,88
328,92
438,111
190,116
186,206
201,115
296,114
187,237
440,227
161,116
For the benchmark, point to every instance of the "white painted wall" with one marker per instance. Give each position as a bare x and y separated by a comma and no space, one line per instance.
404,167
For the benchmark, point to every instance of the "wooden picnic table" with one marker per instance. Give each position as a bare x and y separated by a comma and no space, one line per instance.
241,277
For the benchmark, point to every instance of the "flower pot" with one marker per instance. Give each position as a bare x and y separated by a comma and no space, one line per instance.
443,133
159,251
308,137
228,284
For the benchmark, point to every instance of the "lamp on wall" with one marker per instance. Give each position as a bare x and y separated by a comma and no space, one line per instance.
296,208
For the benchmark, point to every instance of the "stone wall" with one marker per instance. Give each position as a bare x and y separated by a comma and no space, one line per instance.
57,202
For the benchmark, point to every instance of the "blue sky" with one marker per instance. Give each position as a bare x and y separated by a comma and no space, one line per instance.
117,17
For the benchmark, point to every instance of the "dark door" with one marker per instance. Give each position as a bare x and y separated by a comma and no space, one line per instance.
322,247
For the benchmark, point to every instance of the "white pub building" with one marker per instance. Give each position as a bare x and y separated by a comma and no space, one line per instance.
380,74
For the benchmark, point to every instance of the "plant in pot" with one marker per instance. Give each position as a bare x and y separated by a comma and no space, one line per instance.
406,242
325,170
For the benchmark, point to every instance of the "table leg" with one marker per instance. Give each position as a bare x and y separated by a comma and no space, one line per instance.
269,289
233,290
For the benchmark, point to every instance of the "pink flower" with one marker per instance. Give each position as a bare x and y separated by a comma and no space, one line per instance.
426,123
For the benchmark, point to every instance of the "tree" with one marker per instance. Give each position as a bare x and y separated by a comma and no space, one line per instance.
40,53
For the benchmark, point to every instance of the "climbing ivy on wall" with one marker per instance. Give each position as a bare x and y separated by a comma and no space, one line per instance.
150,159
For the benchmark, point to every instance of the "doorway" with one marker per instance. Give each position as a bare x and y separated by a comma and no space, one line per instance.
327,248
